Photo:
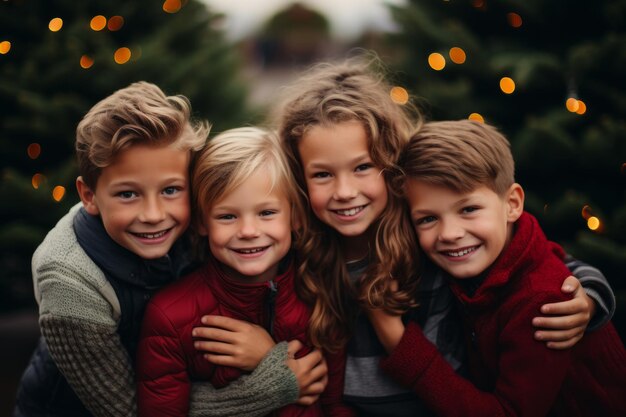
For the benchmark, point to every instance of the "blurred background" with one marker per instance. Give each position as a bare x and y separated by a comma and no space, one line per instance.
550,75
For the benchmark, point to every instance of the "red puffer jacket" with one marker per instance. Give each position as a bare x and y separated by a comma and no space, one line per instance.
167,361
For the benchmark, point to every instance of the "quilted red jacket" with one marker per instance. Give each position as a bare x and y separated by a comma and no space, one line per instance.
167,361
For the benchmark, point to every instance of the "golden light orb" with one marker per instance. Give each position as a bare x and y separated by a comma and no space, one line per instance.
98,23
122,55
33,150
86,61
582,107
55,24
399,95
572,104
115,23
457,55
507,85
436,61
58,193
171,6
514,19
5,47
476,117
37,180
593,223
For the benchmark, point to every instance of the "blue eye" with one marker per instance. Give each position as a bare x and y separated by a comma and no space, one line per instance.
424,220
470,209
171,190
226,217
321,175
126,195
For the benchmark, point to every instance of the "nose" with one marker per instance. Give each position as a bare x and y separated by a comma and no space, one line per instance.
450,230
249,228
152,210
345,188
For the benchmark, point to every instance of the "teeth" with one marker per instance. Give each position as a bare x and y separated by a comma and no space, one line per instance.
349,212
248,251
461,253
151,235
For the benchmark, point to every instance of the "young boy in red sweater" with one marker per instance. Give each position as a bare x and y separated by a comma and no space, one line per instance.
469,217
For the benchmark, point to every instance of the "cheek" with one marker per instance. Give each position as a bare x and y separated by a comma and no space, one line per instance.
317,198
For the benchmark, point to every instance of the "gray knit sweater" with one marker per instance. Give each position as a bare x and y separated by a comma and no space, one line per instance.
79,314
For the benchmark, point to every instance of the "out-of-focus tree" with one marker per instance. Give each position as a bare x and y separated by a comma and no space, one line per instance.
57,59
550,75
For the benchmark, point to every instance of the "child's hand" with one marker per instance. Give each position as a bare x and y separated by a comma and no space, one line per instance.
570,318
232,342
310,371
389,327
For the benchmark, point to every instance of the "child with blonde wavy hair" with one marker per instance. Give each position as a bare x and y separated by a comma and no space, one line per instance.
343,136
246,206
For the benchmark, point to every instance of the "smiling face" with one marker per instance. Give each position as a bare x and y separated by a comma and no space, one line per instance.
346,190
249,229
142,198
463,233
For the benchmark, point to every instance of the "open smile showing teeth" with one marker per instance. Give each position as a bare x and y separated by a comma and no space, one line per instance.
250,250
152,235
350,212
461,252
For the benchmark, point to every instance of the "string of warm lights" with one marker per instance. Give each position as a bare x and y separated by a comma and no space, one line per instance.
121,56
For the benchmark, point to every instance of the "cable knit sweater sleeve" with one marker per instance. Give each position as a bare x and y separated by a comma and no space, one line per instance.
78,316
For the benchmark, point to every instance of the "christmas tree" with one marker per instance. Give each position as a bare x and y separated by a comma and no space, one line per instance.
550,76
57,59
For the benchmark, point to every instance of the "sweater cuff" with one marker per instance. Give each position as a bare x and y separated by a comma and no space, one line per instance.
411,357
272,385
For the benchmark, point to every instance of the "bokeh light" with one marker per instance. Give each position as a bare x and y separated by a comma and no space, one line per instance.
86,61
171,6
399,95
507,85
55,24
33,150
572,104
37,180
457,55
58,193
5,47
436,61
115,23
98,23
476,117
582,107
593,223
586,212
122,55
514,19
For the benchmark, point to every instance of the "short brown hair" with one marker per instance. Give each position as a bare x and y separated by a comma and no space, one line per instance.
461,155
138,114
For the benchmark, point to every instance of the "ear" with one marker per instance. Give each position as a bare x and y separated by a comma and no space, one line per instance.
515,202
87,196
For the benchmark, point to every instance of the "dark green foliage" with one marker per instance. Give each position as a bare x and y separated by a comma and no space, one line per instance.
563,49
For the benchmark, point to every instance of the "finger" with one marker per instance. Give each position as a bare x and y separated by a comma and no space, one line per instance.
214,347
293,347
572,306
562,345
214,333
222,322
561,322
307,399
558,336
221,360
570,285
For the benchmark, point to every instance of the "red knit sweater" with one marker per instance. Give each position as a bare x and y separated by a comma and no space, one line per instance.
512,374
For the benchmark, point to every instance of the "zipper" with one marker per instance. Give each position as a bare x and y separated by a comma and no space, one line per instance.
270,307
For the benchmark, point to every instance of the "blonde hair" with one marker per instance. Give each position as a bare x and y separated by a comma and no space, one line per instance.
327,95
461,155
232,157
138,114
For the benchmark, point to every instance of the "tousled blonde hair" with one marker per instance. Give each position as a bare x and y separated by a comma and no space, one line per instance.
138,114
327,95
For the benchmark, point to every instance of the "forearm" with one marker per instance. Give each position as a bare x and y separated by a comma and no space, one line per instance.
94,362
272,385
597,287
